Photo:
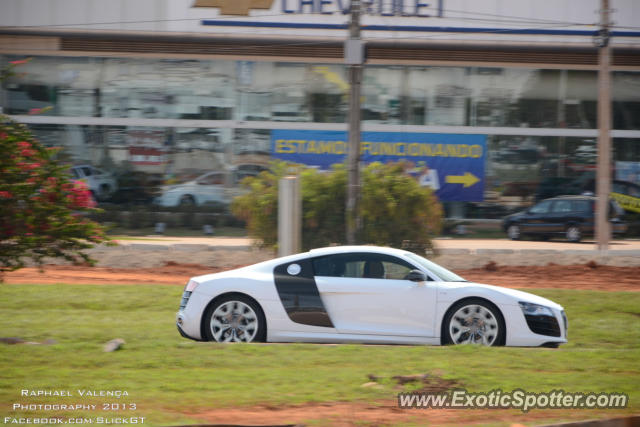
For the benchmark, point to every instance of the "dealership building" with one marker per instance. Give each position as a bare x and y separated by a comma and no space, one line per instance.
493,102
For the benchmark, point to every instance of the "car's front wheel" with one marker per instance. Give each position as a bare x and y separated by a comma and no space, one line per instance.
513,231
474,321
573,233
235,319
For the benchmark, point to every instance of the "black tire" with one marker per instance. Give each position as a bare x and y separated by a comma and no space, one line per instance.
104,192
573,233
514,232
495,336
187,200
242,303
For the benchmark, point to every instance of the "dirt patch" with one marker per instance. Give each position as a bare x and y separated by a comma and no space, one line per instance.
601,277
587,276
380,413
171,273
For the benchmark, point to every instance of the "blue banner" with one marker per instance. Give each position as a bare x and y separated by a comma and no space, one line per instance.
452,164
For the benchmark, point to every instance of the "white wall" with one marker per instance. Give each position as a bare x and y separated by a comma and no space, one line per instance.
178,15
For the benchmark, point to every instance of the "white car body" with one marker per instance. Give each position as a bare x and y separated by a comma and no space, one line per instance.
380,310
207,188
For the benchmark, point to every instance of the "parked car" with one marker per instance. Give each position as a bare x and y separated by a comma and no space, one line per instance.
363,294
211,188
571,217
205,189
101,184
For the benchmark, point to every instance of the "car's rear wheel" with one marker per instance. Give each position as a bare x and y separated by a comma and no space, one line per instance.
573,233
513,231
187,200
474,321
103,192
235,319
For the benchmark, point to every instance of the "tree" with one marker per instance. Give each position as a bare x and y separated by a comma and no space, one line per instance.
42,210
396,211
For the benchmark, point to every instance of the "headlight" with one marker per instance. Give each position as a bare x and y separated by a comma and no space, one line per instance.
530,309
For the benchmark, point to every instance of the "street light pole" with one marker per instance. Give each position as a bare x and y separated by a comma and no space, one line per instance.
603,175
354,58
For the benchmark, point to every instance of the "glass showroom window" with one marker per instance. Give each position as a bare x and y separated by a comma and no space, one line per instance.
272,91
66,84
182,89
290,97
626,100
525,169
328,91
383,94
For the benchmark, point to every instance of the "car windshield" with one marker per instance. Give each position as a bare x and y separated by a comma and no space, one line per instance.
444,274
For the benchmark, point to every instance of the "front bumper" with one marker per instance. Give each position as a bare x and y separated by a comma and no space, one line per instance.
519,333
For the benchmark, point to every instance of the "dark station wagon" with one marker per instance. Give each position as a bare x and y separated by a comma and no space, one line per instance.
572,217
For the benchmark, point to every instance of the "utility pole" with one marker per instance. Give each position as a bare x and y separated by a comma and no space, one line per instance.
354,58
603,175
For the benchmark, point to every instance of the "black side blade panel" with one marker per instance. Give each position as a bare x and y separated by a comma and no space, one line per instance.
299,294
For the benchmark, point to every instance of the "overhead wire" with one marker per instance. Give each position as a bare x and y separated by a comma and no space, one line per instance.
491,18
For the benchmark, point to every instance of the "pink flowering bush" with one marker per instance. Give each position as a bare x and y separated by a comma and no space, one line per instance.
42,211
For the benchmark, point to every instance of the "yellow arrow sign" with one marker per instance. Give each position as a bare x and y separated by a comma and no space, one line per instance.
467,180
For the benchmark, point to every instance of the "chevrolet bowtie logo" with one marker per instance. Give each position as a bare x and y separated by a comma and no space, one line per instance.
235,7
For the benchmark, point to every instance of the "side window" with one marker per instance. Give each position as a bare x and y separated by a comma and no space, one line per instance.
581,205
395,271
617,187
562,206
541,208
329,266
362,266
86,171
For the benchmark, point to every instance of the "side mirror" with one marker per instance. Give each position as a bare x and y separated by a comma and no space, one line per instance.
416,276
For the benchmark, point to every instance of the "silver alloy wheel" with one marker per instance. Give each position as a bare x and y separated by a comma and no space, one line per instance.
234,321
513,232
573,233
473,324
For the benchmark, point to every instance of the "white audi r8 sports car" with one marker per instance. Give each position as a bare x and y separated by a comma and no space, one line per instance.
363,294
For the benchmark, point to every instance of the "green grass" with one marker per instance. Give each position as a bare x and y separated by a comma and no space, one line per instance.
168,376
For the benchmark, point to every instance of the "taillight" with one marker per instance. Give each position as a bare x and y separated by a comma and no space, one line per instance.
185,299
191,286
188,290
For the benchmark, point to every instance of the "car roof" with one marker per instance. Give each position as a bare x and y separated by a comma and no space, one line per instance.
573,197
331,250
352,249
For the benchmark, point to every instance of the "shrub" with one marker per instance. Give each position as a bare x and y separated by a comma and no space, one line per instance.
42,211
395,210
